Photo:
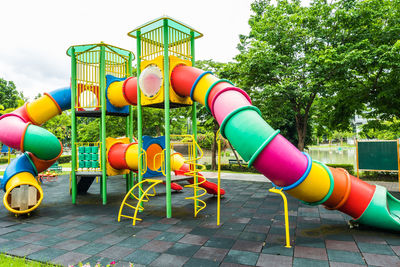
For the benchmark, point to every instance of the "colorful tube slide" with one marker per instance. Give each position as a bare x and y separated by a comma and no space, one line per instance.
20,130
269,152
124,92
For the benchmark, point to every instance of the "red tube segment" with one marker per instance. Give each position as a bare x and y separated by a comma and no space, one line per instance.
22,113
359,198
183,78
129,90
116,156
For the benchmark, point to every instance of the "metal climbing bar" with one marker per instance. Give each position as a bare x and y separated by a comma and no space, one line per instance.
143,197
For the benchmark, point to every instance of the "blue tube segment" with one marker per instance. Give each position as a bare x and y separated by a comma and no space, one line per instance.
20,164
110,107
63,97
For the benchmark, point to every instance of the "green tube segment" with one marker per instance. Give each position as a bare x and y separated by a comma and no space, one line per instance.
41,143
383,211
246,139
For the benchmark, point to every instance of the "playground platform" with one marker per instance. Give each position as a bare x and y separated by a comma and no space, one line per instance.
251,231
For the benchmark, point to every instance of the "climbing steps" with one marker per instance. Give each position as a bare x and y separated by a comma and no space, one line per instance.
141,195
195,153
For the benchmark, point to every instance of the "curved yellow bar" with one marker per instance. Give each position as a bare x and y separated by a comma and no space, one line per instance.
315,187
202,86
23,193
42,109
131,157
177,161
115,94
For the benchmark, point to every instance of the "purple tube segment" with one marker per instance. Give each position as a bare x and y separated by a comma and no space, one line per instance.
228,100
281,162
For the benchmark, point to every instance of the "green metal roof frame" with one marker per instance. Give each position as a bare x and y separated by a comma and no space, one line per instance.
173,23
84,48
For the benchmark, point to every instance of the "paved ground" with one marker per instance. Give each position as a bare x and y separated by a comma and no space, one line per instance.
251,232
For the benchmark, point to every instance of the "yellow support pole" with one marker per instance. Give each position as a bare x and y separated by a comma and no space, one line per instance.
285,206
9,155
219,179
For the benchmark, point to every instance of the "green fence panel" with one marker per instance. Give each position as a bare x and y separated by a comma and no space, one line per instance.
380,155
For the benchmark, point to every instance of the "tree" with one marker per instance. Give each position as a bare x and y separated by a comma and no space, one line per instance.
331,59
9,95
60,126
279,58
367,47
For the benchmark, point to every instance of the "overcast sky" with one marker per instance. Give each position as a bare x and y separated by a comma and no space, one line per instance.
35,35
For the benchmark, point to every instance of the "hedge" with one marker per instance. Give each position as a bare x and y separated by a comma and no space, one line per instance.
3,160
64,159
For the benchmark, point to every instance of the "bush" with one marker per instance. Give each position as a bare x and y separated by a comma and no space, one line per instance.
347,167
4,160
234,168
64,159
379,176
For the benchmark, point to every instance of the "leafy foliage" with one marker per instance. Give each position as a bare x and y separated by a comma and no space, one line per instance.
10,98
320,63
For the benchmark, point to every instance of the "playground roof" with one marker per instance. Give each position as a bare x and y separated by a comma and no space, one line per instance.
159,22
84,48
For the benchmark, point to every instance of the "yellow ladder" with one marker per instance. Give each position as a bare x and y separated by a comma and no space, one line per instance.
142,197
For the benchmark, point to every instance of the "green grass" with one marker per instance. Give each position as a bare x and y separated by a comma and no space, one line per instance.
10,261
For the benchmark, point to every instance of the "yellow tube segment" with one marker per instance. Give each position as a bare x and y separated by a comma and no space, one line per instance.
315,187
177,160
131,157
23,193
202,86
115,94
42,109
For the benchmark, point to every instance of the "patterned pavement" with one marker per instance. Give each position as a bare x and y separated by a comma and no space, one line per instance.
251,231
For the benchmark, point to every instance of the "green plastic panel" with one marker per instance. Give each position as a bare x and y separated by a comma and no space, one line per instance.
381,155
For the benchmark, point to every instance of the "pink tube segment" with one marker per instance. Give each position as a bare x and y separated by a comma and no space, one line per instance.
12,130
281,162
228,100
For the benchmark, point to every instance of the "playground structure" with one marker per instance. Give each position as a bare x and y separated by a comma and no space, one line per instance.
167,78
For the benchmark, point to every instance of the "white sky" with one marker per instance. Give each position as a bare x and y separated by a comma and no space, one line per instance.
34,35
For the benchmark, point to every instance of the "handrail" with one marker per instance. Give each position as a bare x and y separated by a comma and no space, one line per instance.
285,207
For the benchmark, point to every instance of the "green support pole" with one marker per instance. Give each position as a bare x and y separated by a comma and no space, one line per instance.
73,126
130,118
194,115
103,122
139,110
167,129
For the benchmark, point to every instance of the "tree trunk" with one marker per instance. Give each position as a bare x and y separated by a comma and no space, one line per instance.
301,127
214,148
234,153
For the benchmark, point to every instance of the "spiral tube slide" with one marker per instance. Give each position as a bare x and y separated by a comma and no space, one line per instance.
20,130
270,153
